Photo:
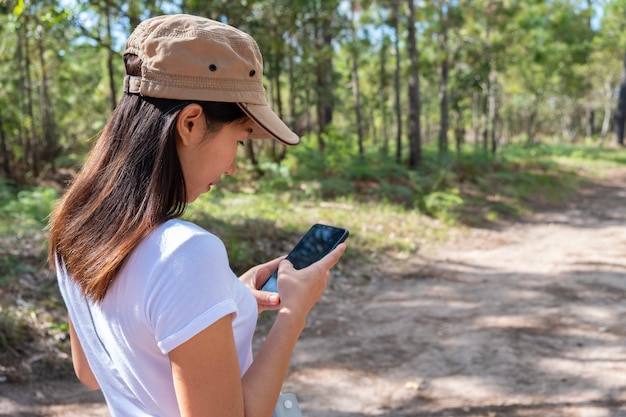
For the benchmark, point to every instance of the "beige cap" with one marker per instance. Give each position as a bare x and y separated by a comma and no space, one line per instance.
188,57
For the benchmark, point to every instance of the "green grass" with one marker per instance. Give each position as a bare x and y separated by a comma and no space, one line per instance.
391,212
259,227
23,217
388,208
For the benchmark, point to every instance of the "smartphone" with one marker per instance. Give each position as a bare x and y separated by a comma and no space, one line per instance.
314,245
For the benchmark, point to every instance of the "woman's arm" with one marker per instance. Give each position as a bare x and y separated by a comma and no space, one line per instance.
206,368
299,292
81,366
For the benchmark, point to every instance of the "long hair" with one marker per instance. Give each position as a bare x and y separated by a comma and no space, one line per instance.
131,182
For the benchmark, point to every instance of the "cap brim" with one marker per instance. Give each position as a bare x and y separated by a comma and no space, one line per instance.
269,125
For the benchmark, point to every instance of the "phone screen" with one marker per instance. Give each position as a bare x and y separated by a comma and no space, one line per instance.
314,245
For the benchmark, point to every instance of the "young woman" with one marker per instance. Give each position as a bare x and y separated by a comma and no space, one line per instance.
158,320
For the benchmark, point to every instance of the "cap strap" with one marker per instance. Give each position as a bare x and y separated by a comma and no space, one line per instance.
132,84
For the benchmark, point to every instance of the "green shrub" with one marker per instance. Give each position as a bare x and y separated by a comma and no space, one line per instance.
27,209
444,205
14,333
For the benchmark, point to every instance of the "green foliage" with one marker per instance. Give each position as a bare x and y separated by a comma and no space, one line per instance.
12,266
14,332
554,63
446,205
391,212
580,155
388,208
27,295
25,211
276,176
23,216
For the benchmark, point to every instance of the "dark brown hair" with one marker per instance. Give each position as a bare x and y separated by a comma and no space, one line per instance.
131,183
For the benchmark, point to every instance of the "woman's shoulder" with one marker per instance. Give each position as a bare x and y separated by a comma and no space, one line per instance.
175,234
178,227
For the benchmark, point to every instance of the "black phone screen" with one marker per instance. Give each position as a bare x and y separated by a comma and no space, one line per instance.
318,241
314,245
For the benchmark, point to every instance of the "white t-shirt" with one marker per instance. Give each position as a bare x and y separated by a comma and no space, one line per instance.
175,283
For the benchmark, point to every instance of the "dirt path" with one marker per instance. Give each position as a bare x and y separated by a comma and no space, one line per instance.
526,320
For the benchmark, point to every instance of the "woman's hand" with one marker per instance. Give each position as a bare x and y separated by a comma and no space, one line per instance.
301,289
256,277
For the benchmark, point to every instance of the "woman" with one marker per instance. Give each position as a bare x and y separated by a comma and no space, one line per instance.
157,318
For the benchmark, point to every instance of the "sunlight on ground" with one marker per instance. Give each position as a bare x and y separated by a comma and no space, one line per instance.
351,391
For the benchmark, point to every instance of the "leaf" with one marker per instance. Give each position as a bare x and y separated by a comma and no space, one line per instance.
19,8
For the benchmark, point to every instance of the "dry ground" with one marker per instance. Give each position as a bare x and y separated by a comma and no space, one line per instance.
527,319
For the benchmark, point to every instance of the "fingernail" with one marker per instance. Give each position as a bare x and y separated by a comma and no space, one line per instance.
273,299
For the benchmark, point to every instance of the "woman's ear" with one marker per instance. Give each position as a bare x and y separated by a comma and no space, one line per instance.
191,124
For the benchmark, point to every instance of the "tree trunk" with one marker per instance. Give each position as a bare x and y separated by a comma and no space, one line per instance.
110,56
31,149
383,98
484,118
493,109
357,105
19,57
567,128
6,157
49,126
277,149
250,155
606,122
371,126
324,75
415,140
292,87
277,96
591,122
355,83
476,118
396,45
620,114
459,131
530,127
443,72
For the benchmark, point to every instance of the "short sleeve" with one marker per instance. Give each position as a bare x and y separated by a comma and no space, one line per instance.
191,289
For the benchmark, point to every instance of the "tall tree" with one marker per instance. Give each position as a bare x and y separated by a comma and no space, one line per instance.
490,135
324,33
608,52
383,74
395,18
107,11
4,150
415,139
519,66
620,114
356,87
49,130
443,13
30,143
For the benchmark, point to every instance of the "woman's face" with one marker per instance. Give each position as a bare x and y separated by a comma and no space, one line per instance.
205,158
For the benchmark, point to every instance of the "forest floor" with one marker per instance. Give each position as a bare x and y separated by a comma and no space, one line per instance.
526,318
